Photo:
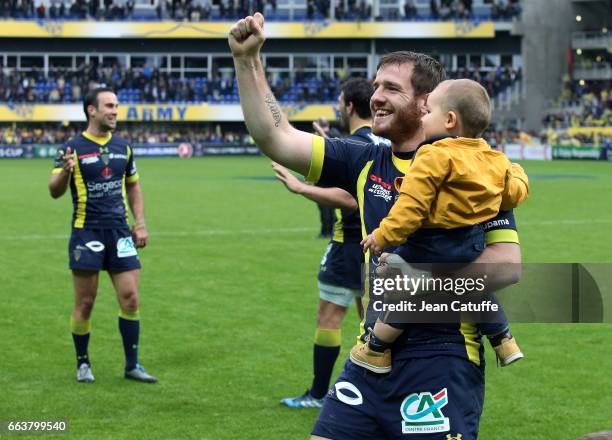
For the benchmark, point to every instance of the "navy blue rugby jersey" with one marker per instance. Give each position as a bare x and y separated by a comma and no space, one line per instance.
102,167
368,173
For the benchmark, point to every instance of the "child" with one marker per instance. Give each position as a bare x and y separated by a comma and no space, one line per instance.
456,182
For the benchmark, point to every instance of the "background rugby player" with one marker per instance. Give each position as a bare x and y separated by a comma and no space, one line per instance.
100,169
339,278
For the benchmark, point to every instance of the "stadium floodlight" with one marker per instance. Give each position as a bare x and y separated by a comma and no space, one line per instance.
604,30
581,82
578,18
578,51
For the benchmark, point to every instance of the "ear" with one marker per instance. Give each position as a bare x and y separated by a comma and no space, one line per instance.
350,108
421,102
451,121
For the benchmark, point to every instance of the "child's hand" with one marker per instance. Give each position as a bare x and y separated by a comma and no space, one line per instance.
370,243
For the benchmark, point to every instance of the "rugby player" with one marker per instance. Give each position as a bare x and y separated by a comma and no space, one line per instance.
339,278
436,386
100,169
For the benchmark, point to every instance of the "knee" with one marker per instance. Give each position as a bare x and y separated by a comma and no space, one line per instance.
85,306
331,319
130,301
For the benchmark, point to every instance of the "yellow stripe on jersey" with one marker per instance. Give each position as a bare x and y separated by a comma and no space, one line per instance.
56,170
125,200
79,183
316,160
338,229
472,347
102,140
135,177
502,236
401,164
132,179
361,182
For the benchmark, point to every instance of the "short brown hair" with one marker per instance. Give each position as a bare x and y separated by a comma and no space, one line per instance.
471,102
427,72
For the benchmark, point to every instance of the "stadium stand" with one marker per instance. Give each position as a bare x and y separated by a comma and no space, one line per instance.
204,10
152,85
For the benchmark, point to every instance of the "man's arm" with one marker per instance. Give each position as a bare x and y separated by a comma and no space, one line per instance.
332,197
58,184
263,116
507,260
136,202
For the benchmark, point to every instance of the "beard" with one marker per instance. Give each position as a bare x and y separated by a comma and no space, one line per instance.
405,124
344,120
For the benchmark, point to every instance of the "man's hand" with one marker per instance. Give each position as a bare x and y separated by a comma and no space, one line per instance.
140,235
292,183
317,127
67,160
246,37
370,243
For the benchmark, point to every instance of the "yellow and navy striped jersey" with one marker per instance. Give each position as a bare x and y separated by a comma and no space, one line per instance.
369,173
348,224
102,167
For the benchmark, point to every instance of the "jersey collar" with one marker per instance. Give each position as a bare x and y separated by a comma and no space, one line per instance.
98,140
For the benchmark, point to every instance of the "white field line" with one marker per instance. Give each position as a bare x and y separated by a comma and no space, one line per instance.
210,232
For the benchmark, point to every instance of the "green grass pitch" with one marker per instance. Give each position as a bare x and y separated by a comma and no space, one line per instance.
228,309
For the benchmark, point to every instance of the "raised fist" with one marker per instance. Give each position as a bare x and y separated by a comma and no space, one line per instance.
247,36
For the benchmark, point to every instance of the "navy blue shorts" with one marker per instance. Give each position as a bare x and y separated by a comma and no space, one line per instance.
102,249
420,399
341,265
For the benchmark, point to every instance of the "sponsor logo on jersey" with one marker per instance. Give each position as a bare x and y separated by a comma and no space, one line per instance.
422,413
107,172
496,223
117,156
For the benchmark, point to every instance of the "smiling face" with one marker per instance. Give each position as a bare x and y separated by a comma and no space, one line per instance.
395,109
104,115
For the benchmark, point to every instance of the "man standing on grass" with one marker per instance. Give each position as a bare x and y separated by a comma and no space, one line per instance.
339,279
436,387
100,169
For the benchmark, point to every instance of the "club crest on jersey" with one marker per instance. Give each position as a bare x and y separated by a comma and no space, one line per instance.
104,154
422,413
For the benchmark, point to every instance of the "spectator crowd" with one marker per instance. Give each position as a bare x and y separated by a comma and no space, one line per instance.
151,85
205,10
135,132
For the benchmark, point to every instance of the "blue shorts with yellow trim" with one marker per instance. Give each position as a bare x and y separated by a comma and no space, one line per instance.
102,249
437,397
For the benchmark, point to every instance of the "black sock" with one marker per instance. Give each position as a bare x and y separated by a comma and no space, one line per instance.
378,345
81,342
324,359
496,340
130,329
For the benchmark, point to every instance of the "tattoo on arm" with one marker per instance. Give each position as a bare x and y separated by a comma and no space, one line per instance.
274,108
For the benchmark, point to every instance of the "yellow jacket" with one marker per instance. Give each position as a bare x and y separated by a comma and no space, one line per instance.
452,183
